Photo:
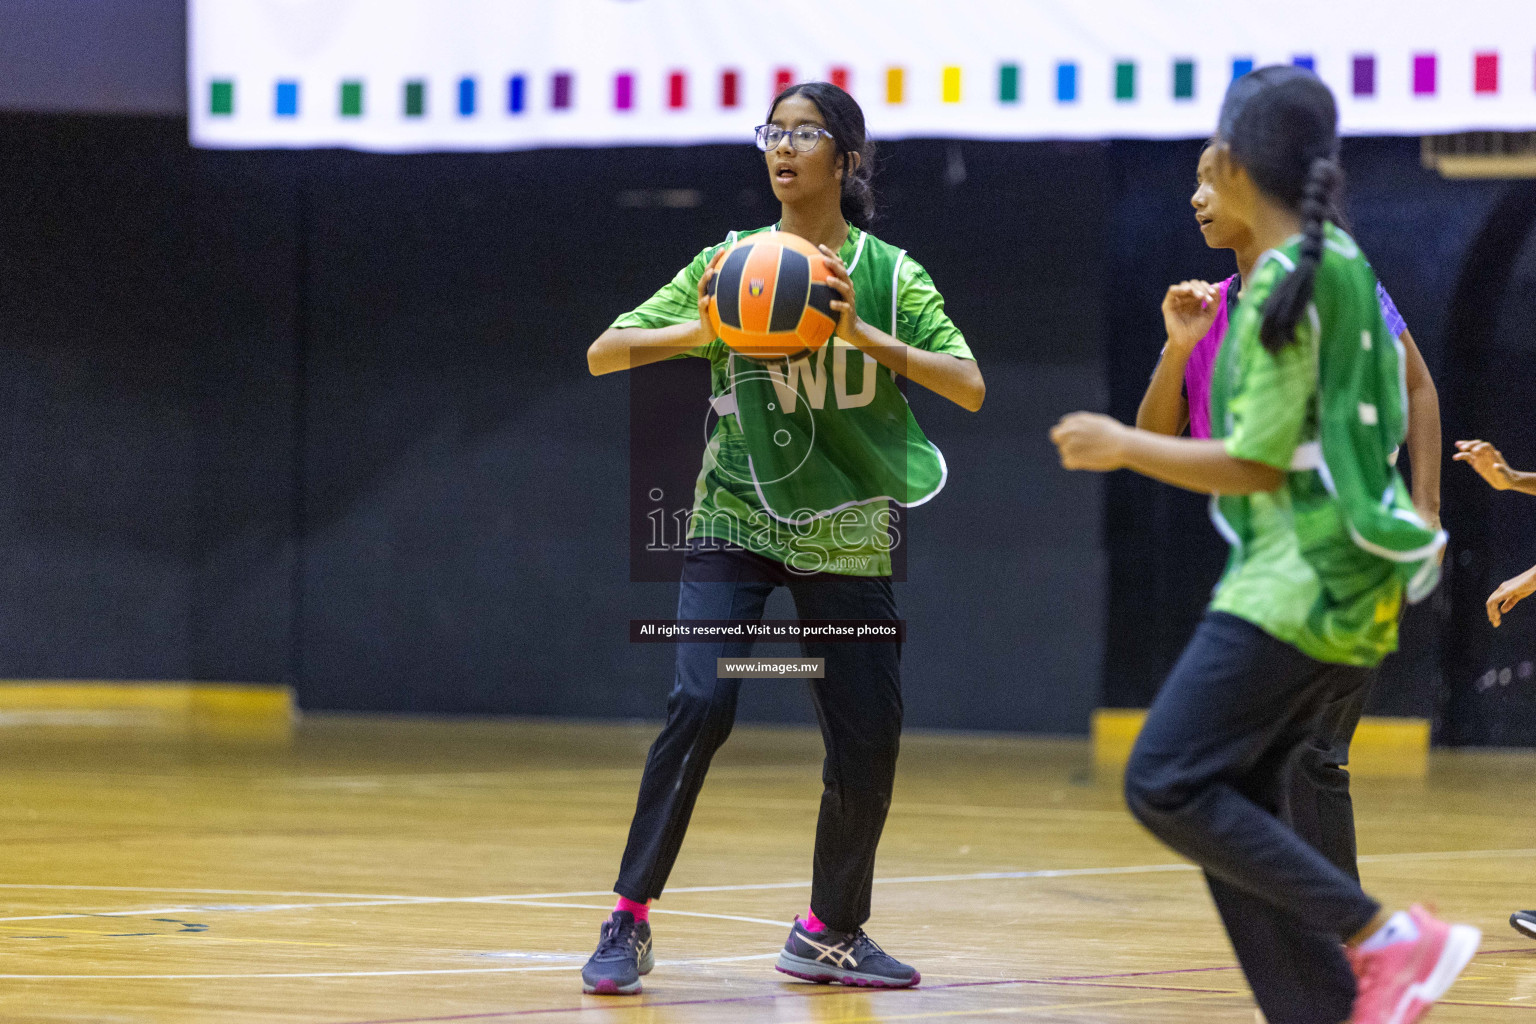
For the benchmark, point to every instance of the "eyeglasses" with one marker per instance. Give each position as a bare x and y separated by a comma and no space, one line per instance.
802,139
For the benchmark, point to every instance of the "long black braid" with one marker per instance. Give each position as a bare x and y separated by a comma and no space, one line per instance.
1287,304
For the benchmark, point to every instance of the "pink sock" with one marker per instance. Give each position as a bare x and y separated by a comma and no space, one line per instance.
642,911
813,922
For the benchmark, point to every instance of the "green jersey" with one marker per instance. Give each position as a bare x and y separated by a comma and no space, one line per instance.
1322,563
806,456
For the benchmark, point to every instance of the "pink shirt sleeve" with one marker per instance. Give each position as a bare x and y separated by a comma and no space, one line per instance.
1202,361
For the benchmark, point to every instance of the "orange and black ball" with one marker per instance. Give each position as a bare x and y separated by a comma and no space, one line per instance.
770,299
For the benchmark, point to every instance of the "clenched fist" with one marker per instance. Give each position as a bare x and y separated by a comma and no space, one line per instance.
1091,441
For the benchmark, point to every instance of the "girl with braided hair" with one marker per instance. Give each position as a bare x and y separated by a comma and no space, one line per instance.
1197,316
1307,407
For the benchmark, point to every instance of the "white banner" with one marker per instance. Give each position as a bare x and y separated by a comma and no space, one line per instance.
410,75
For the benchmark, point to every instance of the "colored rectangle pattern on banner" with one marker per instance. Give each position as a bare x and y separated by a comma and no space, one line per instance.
1066,82
1183,79
1008,83
287,99
1365,76
951,85
1125,81
561,91
1424,74
1486,74
1119,74
221,98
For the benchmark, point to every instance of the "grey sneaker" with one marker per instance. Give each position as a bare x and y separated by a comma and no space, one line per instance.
849,958
623,954
1524,922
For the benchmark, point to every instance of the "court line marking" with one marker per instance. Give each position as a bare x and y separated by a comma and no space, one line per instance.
1084,980
1052,872
253,909
1022,1011
362,974
488,900
83,933
208,892
985,876
503,901
655,910
1374,858
372,900
336,899
813,992
1101,981
340,901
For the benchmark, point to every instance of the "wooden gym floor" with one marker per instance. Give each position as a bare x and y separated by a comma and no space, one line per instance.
373,870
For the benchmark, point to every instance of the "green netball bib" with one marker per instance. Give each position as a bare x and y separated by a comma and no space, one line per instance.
832,430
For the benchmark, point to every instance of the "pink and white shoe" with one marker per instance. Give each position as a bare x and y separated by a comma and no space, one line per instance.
1400,980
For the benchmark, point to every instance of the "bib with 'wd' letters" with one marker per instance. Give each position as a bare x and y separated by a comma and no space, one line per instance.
832,430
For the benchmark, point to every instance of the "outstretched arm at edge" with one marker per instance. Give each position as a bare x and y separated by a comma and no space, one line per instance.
1092,441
